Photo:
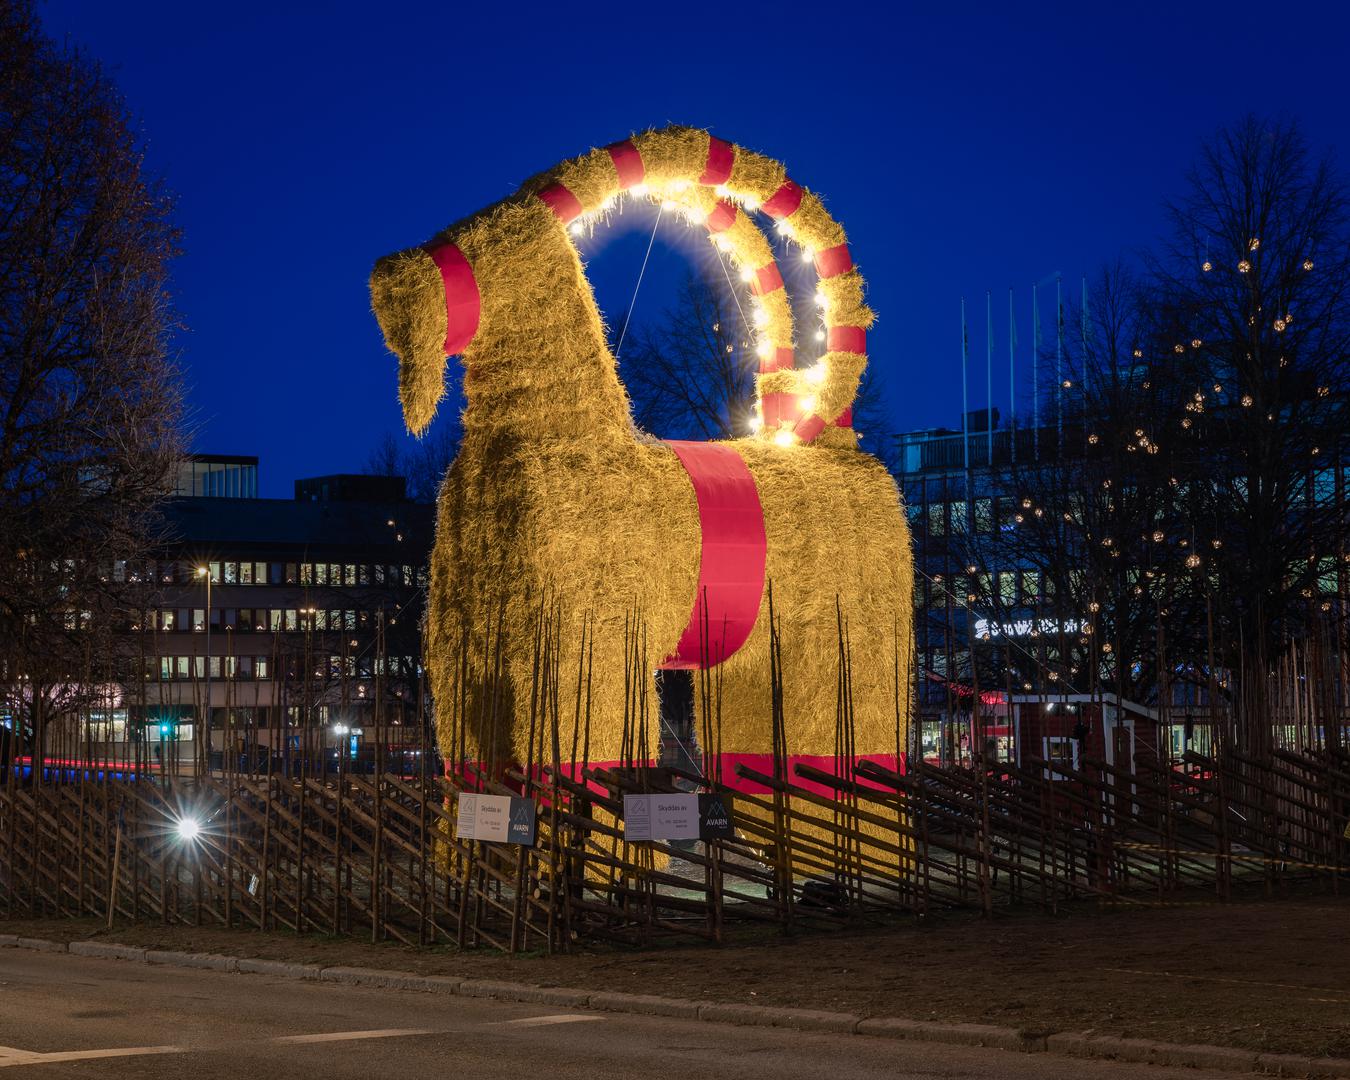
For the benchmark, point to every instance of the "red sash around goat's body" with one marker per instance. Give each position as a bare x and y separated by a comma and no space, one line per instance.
732,554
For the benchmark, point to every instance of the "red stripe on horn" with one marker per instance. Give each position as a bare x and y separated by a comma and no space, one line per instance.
808,428
834,261
463,306
777,408
767,279
846,339
721,156
722,217
732,554
781,360
562,202
845,418
627,163
784,201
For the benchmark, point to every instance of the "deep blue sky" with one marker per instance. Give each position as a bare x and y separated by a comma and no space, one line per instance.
963,150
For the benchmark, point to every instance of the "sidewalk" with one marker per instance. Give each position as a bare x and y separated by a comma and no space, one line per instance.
1257,978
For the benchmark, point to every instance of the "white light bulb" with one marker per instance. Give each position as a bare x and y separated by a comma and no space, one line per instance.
747,275
764,349
815,375
760,316
808,255
822,300
784,229
785,438
667,204
722,191
820,335
807,403
750,202
638,191
756,423
577,228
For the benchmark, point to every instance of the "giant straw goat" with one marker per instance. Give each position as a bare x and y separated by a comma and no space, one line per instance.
555,493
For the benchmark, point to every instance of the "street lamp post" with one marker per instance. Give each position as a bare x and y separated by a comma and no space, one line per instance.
204,572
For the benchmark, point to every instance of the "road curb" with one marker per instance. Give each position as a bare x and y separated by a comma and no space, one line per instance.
1063,1044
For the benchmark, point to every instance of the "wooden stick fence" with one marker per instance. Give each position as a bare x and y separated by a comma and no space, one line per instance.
376,854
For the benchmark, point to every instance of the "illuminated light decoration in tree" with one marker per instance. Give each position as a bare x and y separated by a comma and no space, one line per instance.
1244,266
555,495
1206,266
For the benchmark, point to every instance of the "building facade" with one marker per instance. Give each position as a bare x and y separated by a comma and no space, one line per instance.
273,629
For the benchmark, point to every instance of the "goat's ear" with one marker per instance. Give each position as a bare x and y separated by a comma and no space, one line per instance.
407,294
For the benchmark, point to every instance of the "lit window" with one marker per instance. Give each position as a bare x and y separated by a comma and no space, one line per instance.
984,515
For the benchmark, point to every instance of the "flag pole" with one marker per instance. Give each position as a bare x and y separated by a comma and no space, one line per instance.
1035,386
965,397
1083,390
989,378
1059,362
1012,381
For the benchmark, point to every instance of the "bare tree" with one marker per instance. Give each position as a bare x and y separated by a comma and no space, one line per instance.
692,374
1251,304
423,462
89,400
1188,517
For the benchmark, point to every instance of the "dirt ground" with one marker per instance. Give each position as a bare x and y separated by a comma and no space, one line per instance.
1269,975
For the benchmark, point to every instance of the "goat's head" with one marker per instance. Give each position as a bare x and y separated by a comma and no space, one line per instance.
512,272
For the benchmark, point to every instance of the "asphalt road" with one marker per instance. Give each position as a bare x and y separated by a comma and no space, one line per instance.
72,1016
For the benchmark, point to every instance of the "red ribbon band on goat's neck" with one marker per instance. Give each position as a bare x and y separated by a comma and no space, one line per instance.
732,554
463,306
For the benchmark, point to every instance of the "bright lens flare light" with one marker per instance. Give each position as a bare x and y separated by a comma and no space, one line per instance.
188,828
